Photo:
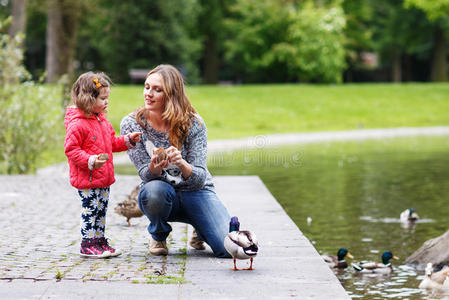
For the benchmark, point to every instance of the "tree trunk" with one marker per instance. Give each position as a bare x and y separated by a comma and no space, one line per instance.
439,64
211,60
62,26
396,68
407,74
433,251
18,17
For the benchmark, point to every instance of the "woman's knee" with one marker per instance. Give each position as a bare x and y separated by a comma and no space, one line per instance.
154,196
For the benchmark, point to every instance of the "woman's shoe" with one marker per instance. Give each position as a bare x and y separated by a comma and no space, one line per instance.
195,242
158,248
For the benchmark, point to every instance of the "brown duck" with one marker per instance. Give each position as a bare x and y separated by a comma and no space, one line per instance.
129,207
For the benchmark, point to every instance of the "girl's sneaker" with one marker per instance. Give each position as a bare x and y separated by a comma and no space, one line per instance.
91,249
103,243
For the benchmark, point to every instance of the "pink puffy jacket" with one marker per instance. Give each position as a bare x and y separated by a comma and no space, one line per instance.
86,136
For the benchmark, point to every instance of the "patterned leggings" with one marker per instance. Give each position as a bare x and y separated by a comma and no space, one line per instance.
93,216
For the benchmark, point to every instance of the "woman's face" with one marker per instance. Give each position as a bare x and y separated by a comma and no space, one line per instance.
153,94
101,103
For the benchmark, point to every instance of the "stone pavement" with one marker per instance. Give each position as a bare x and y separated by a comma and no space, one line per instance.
39,247
40,239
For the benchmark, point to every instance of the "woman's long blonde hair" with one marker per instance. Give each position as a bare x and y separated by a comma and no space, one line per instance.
178,111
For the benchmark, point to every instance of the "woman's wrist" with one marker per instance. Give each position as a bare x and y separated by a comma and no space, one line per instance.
186,169
154,171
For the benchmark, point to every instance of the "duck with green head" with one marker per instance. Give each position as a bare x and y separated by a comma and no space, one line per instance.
241,244
339,260
409,215
374,267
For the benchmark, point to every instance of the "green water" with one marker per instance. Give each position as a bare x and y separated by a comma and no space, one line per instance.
354,193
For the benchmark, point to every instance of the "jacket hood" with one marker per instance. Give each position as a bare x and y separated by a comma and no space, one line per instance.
73,113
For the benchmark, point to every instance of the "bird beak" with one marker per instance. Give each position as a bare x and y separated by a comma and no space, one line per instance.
349,255
395,257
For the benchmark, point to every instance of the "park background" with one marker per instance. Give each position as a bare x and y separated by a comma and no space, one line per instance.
255,68
317,47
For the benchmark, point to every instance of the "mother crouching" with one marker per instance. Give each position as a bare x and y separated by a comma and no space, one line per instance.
177,186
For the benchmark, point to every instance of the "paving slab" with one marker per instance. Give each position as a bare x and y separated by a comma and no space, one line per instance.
40,242
287,266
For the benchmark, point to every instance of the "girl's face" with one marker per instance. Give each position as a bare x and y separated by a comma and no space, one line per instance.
153,94
101,104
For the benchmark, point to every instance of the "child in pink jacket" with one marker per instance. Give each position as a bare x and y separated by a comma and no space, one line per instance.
89,142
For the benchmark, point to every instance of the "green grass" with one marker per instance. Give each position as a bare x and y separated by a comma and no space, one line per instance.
248,110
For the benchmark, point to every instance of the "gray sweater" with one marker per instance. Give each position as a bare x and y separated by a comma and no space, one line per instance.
194,151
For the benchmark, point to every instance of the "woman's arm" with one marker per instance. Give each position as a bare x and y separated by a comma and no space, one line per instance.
138,155
195,148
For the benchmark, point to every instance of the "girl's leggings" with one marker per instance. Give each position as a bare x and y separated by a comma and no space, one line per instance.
93,216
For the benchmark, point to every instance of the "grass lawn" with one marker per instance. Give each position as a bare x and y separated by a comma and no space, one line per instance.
248,110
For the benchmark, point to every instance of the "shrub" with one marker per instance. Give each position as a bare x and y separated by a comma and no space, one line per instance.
28,111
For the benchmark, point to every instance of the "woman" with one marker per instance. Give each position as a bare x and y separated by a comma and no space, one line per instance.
177,186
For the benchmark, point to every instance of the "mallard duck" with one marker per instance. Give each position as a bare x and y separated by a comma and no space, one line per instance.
339,260
129,207
374,267
409,215
434,280
241,244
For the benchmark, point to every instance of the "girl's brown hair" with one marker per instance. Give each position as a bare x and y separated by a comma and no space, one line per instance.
178,112
86,89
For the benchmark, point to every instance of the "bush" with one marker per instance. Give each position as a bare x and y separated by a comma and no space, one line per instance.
278,41
29,111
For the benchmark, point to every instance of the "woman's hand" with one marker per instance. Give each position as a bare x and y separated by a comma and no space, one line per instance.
175,158
155,166
134,137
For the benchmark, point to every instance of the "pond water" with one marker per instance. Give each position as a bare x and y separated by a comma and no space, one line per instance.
350,194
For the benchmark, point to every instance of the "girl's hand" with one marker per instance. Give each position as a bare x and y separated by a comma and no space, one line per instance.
175,157
99,163
155,166
135,137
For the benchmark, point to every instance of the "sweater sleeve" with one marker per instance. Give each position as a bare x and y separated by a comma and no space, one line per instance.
72,147
138,155
196,155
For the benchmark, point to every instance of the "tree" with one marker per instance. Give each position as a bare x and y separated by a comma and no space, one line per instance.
121,35
436,11
18,17
358,32
62,25
393,37
210,26
278,41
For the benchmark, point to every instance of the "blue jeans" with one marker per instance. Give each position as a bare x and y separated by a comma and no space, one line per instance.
202,209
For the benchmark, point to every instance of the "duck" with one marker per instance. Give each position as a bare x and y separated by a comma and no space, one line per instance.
240,244
434,280
129,207
409,215
374,267
339,260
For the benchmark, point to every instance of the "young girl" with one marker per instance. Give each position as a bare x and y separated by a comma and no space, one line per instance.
89,143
